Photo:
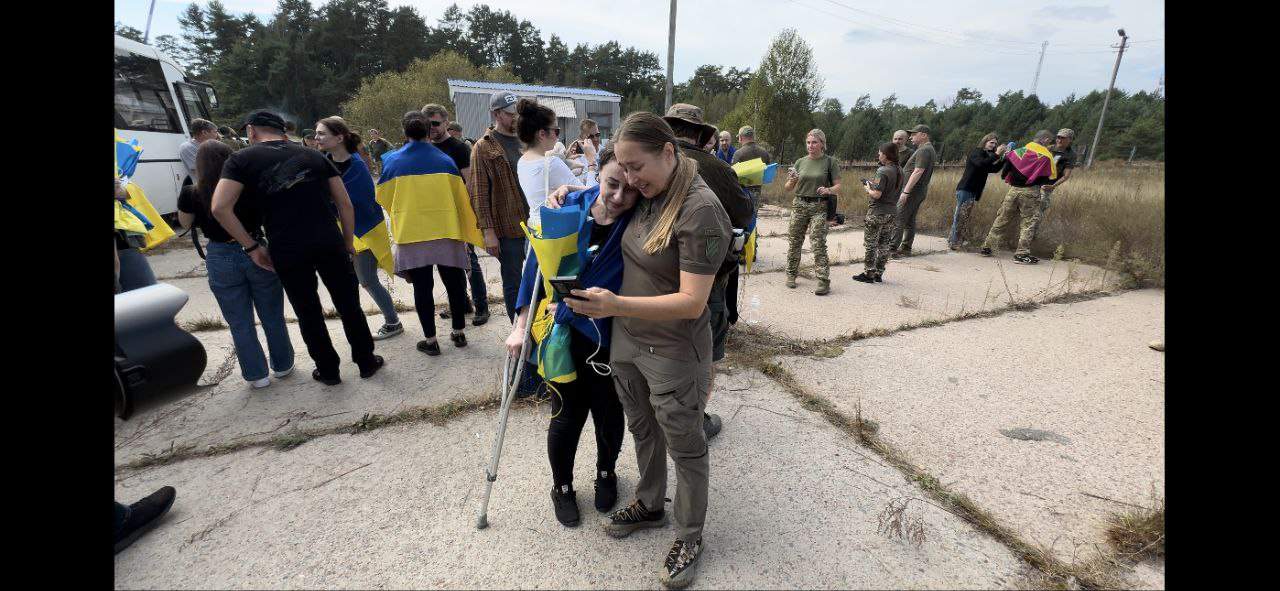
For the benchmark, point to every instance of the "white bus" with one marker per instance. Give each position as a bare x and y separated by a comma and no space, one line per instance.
155,101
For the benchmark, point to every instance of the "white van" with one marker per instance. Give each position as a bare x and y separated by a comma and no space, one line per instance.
155,101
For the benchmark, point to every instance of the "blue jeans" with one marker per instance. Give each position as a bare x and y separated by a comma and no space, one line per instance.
135,271
240,286
511,260
965,201
366,264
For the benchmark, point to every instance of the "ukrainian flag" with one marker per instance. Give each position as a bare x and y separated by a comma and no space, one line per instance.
136,212
423,192
556,245
371,228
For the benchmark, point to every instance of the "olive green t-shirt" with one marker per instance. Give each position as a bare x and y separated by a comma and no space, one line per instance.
925,157
889,182
814,173
699,244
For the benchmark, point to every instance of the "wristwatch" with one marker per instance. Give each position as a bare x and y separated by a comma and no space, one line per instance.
249,249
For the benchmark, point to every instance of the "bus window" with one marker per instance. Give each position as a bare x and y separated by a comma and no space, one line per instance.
143,100
192,106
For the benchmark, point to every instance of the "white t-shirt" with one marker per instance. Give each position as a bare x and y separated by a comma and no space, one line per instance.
533,176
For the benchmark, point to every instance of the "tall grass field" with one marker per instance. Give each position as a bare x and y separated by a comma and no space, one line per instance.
1110,215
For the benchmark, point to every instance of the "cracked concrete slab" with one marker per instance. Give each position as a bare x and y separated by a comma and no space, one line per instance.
915,289
229,410
396,507
1079,375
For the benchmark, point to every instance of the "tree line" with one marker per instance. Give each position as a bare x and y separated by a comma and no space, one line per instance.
310,62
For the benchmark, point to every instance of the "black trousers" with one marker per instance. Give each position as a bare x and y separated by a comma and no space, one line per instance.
424,299
298,270
590,393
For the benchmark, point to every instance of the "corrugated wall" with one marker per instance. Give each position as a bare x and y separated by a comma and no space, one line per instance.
473,114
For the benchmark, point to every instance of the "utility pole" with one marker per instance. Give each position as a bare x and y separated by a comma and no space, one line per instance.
671,56
1123,40
1036,82
147,34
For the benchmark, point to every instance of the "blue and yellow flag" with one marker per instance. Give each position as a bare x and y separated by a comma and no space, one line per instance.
423,192
371,228
556,245
136,214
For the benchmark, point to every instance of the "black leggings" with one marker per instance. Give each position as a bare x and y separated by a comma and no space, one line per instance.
591,393
455,286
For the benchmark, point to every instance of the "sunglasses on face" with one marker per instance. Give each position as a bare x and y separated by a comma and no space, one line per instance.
1061,138
437,123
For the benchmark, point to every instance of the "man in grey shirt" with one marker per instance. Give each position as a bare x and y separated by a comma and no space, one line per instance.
201,132
914,190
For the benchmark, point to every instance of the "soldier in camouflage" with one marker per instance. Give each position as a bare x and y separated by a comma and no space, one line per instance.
881,212
813,177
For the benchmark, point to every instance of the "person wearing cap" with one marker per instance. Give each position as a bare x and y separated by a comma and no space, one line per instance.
455,131
1024,196
292,187
496,197
725,149
309,138
813,177
691,133
905,150
919,169
747,150
226,136
1064,160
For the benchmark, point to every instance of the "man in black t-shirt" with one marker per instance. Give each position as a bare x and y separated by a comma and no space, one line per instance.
291,188
460,153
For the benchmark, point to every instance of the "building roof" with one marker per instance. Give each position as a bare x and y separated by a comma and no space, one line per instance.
533,89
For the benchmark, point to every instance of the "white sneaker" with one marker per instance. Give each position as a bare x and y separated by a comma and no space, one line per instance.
263,383
285,373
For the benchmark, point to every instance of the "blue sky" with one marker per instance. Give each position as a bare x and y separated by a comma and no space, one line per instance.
920,50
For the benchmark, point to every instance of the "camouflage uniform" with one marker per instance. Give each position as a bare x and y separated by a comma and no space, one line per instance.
1026,200
1045,198
811,215
878,230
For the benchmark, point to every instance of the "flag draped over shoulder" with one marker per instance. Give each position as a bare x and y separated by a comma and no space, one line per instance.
136,214
371,228
1033,162
423,192
556,244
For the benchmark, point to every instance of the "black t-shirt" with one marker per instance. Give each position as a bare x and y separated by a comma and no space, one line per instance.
289,185
189,202
341,166
456,150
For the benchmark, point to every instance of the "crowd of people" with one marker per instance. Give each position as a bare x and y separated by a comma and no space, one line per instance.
660,243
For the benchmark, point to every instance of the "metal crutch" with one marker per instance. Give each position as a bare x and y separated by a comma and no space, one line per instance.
508,394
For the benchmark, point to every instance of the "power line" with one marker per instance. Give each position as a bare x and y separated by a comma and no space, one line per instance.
904,34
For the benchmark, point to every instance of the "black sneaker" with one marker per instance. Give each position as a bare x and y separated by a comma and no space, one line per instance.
879,278
459,339
144,515
863,277
711,425
430,348
986,252
1025,259
622,522
480,318
565,501
378,362
606,491
334,381
681,565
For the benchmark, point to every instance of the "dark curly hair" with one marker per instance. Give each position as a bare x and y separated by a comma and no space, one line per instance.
532,118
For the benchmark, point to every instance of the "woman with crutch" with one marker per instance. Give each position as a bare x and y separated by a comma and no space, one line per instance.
660,348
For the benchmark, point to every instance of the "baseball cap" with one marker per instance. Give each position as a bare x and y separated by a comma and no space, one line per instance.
922,128
264,119
502,101
1064,132
747,130
692,115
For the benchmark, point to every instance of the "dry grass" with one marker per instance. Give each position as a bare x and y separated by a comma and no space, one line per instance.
1139,533
1090,213
204,323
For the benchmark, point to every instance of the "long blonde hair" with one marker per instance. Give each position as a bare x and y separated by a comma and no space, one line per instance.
652,132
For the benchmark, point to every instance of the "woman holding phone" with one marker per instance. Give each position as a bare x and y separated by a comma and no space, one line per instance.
660,348
881,211
815,179
593,392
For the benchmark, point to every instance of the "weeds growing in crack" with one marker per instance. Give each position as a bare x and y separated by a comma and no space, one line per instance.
290,440
1139,533
204,323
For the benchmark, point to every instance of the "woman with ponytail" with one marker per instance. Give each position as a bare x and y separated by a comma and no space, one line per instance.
660,348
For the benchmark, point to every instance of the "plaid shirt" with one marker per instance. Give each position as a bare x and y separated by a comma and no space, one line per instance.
496,195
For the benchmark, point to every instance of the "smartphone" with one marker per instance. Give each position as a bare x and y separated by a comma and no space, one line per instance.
865,181
563,284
